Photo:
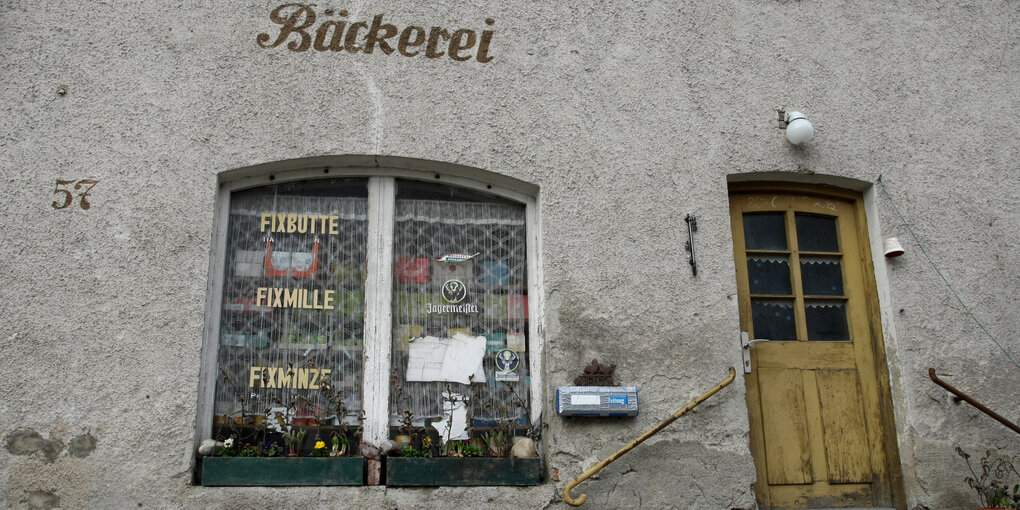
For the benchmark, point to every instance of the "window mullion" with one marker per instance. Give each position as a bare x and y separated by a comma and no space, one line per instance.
797,284
378,308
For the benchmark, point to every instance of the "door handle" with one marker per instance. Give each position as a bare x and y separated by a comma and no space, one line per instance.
745,351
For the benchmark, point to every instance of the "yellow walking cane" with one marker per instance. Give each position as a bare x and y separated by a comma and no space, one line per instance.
651,432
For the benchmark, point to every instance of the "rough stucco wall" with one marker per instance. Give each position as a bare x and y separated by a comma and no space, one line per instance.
628,117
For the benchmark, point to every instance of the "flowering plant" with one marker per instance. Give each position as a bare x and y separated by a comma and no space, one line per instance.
271,449
228,448
993,484
319,450
277,431
249,450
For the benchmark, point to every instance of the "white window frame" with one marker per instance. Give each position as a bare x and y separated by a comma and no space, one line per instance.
382,179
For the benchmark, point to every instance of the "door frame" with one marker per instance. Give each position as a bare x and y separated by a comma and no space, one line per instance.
887,430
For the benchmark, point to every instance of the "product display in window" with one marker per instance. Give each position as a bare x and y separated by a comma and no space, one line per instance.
295,298
465,309
291,324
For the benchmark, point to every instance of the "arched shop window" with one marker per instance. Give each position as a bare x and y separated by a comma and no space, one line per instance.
370,306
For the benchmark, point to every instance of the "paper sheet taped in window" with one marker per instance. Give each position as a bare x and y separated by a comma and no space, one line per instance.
457,359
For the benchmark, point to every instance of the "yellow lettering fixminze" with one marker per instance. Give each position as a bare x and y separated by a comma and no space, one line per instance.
279,377
286,378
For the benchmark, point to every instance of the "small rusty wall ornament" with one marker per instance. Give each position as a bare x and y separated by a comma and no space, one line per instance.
596,374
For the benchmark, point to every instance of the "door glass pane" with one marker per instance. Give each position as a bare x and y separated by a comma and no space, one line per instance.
765,231
292,320
773,319
822,276
816,233
460,309
769,274
826,321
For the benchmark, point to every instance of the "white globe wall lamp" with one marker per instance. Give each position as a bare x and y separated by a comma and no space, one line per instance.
798,128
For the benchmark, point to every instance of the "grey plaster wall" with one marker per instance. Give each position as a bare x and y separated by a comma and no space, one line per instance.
627,115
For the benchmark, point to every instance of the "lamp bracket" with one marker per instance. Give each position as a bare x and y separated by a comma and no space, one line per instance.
692,227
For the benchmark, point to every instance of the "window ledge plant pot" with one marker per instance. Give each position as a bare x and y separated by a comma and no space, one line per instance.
424,471
258,471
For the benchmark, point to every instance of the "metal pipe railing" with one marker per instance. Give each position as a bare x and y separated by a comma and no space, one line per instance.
651,432
966,398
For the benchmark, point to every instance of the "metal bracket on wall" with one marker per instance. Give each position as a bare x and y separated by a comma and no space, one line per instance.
968,399
692,227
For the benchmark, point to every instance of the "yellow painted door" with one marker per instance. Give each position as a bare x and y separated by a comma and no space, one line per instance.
815,391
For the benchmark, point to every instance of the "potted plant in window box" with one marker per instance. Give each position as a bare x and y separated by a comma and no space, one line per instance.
414,468
256,465
254,455
997,485
484,460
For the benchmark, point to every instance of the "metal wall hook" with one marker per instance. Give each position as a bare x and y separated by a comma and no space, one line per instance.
692,227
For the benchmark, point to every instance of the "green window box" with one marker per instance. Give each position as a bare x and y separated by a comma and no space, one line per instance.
259,471
423,471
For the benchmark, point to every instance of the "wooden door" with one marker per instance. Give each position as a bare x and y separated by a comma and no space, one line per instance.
817,395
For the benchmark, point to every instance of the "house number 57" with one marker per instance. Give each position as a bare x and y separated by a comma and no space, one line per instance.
68,197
